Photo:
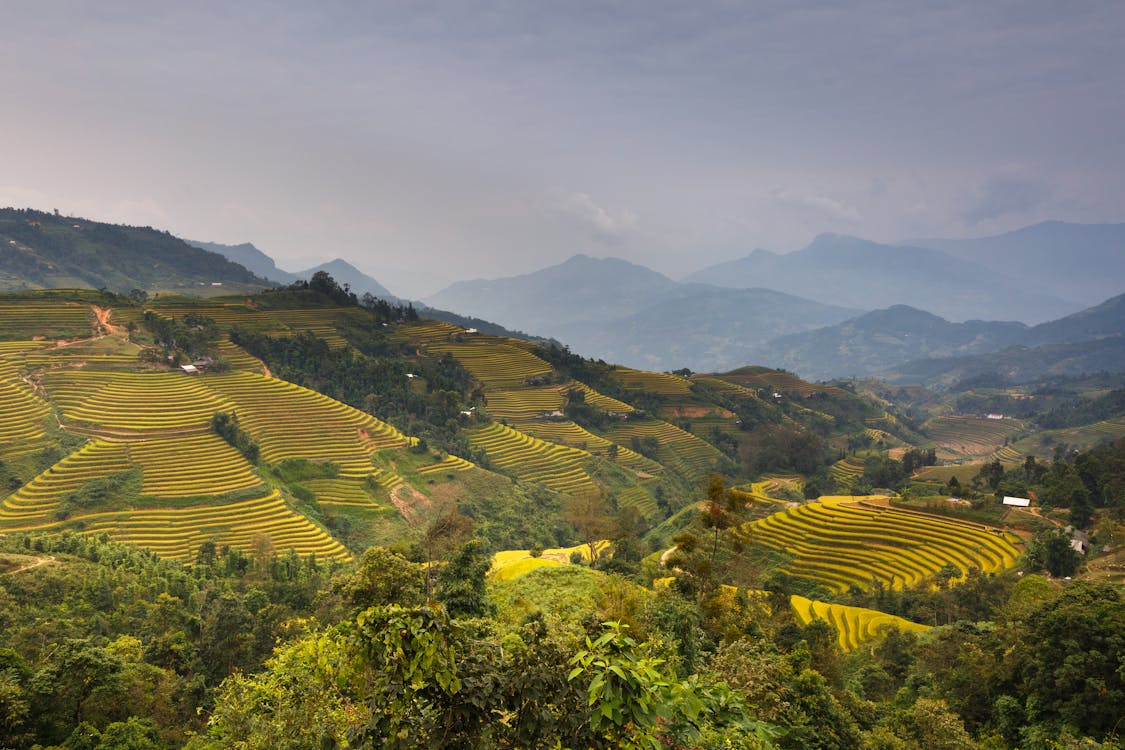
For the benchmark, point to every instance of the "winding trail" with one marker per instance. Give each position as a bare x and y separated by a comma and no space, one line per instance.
32,566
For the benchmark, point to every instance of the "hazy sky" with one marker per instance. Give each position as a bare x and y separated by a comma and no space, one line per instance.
485,139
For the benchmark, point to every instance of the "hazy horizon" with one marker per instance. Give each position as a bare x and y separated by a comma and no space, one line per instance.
430,141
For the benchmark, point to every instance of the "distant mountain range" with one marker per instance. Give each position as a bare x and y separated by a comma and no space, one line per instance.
808,311
622,312
859,273
905,344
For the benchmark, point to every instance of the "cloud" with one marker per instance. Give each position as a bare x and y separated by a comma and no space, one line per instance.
1012,191
823,204
608,226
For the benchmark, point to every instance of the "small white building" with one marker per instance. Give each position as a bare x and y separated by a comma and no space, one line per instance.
190,369
994,416
1017,502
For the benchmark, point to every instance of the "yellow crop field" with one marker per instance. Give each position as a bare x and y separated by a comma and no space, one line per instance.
970,436
179,532
847,470
426,332
695,453
449,463
289,421
556,466
191,465
35,503
565,432
496,364
238,357
512,563
23,319
132,401
22,412
525,404
843,542
654,382
855,625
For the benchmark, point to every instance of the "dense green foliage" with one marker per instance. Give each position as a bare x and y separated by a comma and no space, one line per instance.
37,248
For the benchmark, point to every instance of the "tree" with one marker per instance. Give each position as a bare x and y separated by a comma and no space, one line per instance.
1073,674
461,585
1051,550
382,577
587,512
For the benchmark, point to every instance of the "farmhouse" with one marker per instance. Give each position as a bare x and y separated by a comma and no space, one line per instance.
190,369
1017,502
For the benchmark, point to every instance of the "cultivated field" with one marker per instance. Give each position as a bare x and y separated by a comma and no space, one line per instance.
843,543
855,625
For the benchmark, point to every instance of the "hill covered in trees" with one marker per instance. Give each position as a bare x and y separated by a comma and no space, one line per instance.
43,250
357,525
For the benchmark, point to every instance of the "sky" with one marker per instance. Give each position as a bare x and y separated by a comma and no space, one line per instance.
430,141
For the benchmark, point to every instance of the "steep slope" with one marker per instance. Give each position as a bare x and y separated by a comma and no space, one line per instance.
40,250
1081,263
858,273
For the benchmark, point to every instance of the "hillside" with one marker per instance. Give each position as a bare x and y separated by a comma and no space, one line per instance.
862,274
41,250
540,493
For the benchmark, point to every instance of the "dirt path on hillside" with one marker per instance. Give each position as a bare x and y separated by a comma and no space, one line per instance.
103,314
39,562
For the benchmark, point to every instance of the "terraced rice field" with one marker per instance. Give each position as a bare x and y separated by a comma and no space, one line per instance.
426,332
855,625
512,563
320,321
447,464
191,465
565,432
178,532
655,382
496,365
558,467
638,498
34,504
786,383
842,544
1007,455
970,436
525,404
132,402
340,492
697,455
21,319
239,358
847,470
289,421
22,412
